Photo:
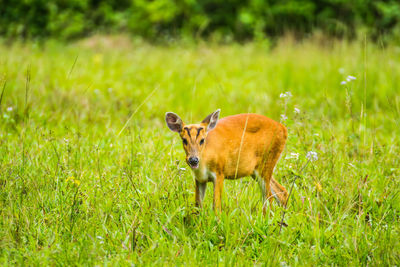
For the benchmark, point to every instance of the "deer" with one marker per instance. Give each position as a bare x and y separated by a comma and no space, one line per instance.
231,148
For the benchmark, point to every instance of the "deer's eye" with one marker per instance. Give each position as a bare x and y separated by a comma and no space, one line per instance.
202,141
184,141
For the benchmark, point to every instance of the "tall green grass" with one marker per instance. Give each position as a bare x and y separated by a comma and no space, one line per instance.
75,191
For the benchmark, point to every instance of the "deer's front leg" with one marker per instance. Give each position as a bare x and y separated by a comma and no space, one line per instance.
218,186
200,192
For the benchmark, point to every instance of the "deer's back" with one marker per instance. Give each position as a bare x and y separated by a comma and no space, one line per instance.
239,143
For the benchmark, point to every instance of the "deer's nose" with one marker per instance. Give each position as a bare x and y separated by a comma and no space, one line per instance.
193,161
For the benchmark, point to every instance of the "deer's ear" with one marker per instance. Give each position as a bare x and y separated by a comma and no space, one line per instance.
173,121
211,120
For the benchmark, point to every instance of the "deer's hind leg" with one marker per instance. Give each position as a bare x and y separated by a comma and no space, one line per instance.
265,170
265,187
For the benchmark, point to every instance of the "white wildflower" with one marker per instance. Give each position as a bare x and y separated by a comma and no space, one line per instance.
285,95
350,78
343,82
9,109
100,238
312,156
293,156
283,117
296,110
182,169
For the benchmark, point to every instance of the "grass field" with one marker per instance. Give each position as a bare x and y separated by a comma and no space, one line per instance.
76,190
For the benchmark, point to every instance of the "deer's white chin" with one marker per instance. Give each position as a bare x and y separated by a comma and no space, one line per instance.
194,167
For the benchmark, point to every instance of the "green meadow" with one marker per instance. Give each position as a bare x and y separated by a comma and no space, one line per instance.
91,175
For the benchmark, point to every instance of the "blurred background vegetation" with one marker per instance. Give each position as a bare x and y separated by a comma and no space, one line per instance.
222,20
77,190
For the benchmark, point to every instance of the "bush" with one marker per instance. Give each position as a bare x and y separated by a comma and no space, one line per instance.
242,20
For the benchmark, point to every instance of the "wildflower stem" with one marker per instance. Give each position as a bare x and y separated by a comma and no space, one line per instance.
136,110
72,67
290,193
2,92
